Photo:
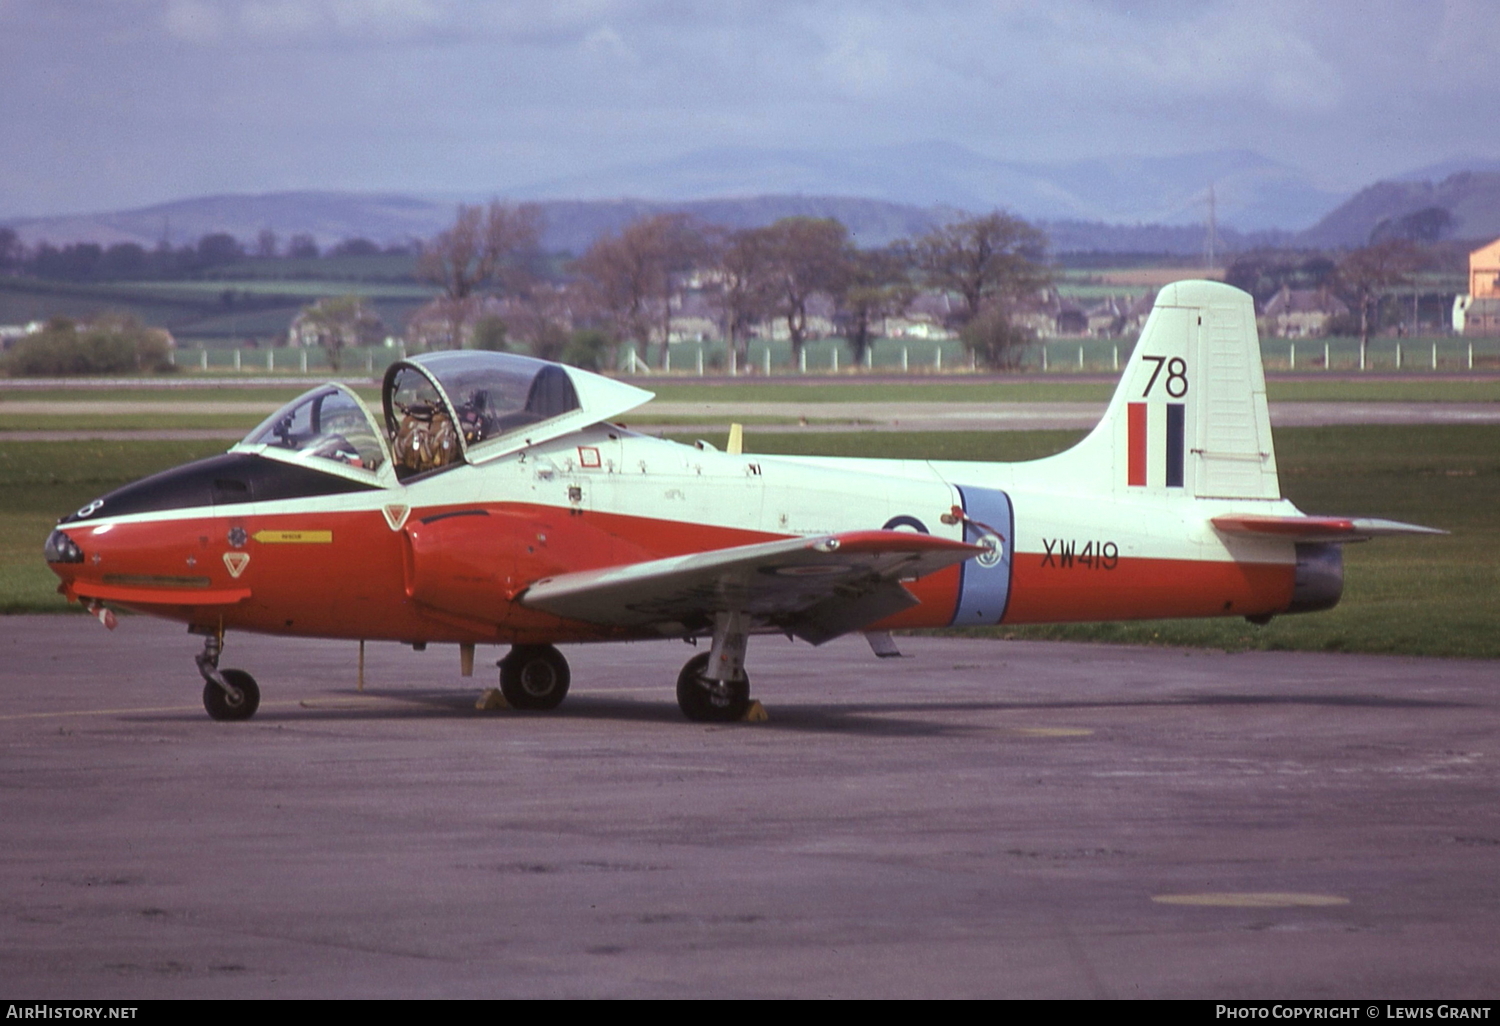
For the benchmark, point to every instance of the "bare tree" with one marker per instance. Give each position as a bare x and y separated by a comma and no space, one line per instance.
743,270
808,256
485,247
1365,275
990,259
877,284
633,277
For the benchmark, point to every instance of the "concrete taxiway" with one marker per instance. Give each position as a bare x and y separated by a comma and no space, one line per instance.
982,818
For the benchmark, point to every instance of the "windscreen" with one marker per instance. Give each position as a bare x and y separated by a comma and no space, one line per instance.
327,423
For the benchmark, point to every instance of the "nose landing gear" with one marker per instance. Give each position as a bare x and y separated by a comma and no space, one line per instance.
227,694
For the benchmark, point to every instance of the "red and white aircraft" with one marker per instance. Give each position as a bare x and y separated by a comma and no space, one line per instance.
494,502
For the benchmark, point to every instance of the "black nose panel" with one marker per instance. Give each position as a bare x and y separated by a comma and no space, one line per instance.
217,481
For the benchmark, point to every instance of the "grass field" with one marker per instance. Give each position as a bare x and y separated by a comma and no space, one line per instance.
1430,596
814,390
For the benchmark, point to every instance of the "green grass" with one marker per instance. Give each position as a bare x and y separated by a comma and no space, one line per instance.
1420,596
42,481
165,421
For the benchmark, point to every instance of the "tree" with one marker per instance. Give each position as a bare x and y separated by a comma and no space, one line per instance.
12,251
995,341
219,248
877,284
746,289
984,259
266,244
807,256
112,344
355,248
1365,275
632,277
485,246
489,333
338,323
302,247
989,261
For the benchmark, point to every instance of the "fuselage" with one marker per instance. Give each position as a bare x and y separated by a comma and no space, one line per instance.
256,543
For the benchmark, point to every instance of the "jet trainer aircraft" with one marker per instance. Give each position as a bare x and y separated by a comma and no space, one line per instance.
493,501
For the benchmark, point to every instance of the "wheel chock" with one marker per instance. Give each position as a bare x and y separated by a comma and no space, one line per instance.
491,698
755,713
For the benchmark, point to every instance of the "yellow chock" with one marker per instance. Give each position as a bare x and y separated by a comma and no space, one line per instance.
755,713
491,698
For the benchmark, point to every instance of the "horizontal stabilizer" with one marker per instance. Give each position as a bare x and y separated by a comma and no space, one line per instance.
1317,529
816,588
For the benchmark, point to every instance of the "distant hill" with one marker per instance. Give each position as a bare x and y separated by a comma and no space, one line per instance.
1472,198
1252,192
331,217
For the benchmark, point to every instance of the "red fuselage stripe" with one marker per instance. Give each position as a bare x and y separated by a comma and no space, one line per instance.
1137,449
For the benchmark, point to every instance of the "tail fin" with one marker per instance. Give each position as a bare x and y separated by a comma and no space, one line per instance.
1189,416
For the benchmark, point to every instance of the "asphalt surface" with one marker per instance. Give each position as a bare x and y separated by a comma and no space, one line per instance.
984,818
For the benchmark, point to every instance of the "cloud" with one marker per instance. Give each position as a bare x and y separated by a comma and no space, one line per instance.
453,94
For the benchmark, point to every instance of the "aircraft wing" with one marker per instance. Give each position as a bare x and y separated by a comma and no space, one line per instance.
1317,529
816,588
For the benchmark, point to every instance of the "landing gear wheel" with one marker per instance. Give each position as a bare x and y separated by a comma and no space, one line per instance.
222,707
707,701
534,677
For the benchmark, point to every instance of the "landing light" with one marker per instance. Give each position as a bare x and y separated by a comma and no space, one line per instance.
61,549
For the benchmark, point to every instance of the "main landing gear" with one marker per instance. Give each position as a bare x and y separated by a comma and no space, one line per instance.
713,687
227,694
534,677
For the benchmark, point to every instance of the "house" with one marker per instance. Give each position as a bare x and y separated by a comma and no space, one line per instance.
1301,313
1478,313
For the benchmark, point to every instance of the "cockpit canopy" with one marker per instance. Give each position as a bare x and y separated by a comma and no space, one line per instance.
440,410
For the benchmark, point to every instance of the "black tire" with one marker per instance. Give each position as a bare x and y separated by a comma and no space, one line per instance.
534,677
704,701
221,707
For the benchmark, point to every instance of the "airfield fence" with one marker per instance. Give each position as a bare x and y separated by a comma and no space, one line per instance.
915,357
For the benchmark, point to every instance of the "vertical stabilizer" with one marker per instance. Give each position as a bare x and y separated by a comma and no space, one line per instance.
1189,417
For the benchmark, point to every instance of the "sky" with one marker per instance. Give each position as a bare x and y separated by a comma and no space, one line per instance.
108,104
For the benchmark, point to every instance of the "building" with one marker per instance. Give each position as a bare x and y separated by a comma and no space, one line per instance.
1301,313
1478,313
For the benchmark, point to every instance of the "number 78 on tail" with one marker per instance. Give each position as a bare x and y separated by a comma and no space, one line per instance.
493,499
